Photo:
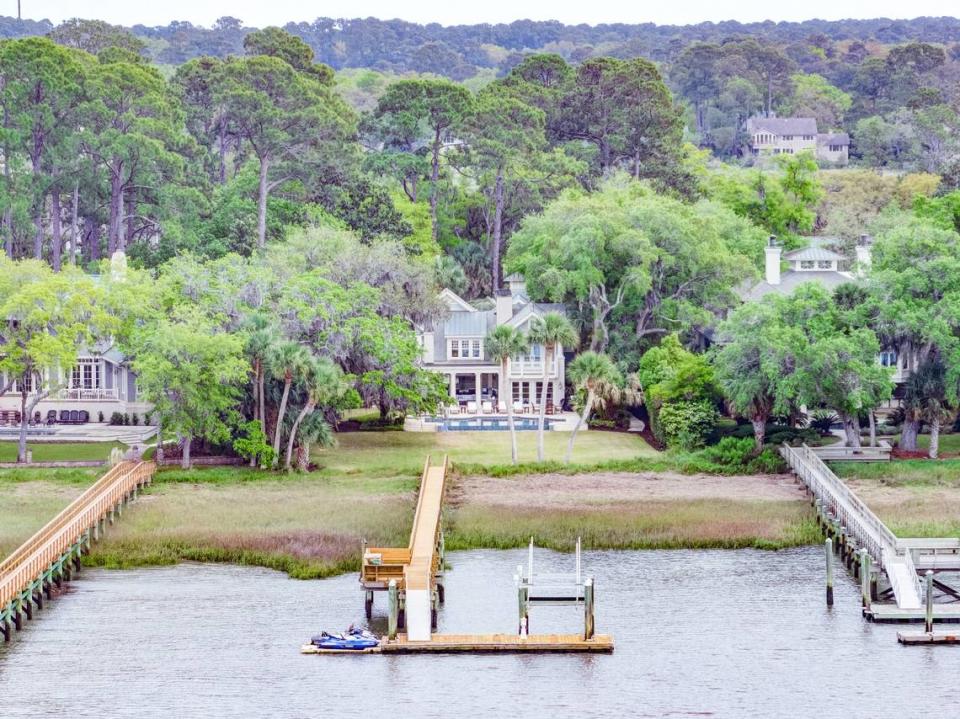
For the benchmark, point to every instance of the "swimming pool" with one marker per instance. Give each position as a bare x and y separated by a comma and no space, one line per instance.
488,424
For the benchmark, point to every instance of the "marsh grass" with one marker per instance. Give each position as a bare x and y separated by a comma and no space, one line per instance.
903,472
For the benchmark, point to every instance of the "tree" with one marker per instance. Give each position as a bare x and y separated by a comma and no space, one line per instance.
323,383
288,362
288,118
190,372
554,332
95,36
412,112
261,341
752,358
813,96
588,372
47,318
501,344
274,42
926,391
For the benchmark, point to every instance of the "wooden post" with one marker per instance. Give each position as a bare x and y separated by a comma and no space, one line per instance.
828,546
928,623
865,577
523,605
368,602
394,609
588,625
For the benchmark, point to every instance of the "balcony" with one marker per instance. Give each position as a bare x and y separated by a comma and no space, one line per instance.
95,394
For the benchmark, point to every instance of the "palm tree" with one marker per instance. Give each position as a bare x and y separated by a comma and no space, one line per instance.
597,375
288,361
323,382
261,340
927,392
553,330
501,344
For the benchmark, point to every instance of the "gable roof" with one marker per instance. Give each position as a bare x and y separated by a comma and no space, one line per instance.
783,125
455,302
833,138
790,280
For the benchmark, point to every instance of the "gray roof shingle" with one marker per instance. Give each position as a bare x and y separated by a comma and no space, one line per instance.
783,125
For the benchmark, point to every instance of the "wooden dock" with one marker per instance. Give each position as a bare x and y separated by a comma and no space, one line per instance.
928,638
482,644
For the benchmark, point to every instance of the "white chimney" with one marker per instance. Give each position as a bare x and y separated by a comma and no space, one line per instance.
504,306
864,259
773,252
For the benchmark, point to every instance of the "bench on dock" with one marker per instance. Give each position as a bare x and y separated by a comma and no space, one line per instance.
381,564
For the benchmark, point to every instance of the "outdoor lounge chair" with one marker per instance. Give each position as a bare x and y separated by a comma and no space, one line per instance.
471,407
64,416
487,407
52,417
84,416
501,407
550,408
518,407
37,418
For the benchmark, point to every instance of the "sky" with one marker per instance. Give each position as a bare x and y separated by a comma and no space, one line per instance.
453,12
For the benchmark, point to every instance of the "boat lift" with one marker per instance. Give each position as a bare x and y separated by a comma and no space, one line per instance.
554,589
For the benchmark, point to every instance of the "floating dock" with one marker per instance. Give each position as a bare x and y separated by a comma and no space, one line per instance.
928,638
481,644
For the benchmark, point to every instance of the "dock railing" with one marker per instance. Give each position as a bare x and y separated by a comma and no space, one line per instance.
842,453
50,543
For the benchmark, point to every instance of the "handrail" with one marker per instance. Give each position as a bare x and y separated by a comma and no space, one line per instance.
868,530
51,542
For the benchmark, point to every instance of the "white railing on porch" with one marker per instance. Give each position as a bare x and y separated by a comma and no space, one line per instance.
78,393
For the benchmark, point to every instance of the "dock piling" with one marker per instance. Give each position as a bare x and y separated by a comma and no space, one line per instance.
928,620
394,609
828,546
865,575
588,629
523,595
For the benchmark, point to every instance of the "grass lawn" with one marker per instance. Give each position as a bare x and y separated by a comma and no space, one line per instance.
60,451
949,443
385,453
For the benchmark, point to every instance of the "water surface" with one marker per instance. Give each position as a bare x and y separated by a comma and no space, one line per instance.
698,633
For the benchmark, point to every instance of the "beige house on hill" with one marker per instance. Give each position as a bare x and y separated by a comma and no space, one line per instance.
790,135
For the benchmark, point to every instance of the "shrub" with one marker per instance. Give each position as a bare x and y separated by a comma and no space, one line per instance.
793,437
126,419
687,424
731,451
135,419
100,417
254,445
767,462
600,423
116,418
823,420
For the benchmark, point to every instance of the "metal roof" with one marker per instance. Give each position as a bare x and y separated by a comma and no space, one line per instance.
790,280
813,254
783,125
467,324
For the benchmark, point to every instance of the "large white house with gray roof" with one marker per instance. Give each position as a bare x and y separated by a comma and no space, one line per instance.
454,346
790,135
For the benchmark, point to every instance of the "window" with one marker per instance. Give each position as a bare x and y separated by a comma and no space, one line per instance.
465,349
825,264
807,264
836,148
788,137
808,137
86,374
888,358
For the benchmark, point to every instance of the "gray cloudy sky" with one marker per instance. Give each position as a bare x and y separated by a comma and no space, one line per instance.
451,12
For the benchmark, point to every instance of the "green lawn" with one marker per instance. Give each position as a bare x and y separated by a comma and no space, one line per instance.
392,453
60,451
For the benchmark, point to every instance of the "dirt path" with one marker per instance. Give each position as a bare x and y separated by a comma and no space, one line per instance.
566,491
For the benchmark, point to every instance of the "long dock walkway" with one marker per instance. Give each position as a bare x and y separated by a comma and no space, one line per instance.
857,528
51,555
414,572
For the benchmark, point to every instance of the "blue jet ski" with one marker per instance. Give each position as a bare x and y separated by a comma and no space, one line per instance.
353,639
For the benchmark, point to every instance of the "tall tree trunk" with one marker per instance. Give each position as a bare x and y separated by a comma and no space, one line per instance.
851,429
74,224
24,418
116,212
510,423
262,205
582,420
56,247
185,452
434,179
280,413
130,217
159,453
222,146
759,422
8,211
256,402
307,409
934,437
871,417
908,434
636,164
548,351
38,234
497,228
263,400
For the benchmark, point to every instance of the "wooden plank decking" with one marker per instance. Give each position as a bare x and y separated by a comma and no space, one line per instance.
483,643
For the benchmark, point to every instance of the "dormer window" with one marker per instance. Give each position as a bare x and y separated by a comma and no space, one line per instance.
825,265
465,349
808,265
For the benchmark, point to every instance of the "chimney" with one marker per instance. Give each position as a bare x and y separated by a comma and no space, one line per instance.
864,259
504,306
773,252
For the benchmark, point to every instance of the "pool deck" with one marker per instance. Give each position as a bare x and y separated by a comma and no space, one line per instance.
558,422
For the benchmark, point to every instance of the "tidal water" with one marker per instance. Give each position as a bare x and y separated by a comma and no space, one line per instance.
698,634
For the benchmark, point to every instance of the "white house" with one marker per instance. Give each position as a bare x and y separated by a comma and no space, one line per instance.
100,382
790,135
455,348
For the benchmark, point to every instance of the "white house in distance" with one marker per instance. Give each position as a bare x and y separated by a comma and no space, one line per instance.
790,135
100,382
455,348
817,263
